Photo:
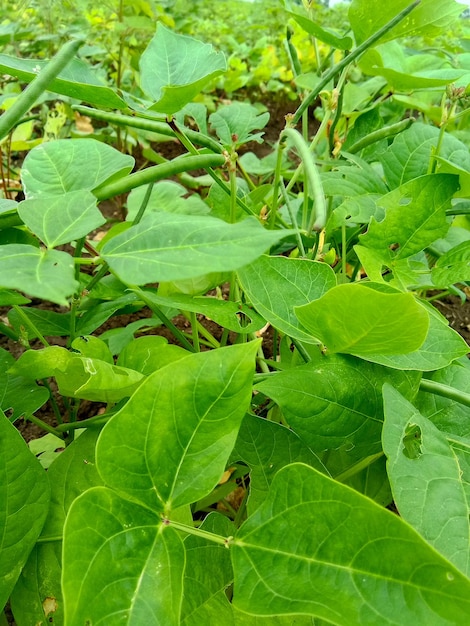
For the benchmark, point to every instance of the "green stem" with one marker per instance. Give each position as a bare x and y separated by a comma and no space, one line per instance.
445,391
336,69
162,128
28,97
293,219
194,328
44,426
97,420
8,332
158,172
276,183
144,204
204,534
163,318
358,467
29,324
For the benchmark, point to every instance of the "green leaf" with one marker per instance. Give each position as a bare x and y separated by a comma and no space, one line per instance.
8,297
204,597
57,167
149,354
450,416
430,17
46,448
175,68
61,219
72,473
355,319
235,122
350,181
453,266
441,346
93,348
336,401
24,500
415,216
323,34
96,380
169,444
19,395
426,479
48,323
120,563
266,447
77,80
340,557
234,316
166,247
166,195
45,274
275,285
409,155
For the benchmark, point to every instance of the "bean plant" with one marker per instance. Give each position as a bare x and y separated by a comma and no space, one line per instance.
321,478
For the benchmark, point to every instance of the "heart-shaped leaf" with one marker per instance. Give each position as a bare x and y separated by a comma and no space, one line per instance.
174,69
341,557
234,123
169,444
356,319
166,247
56,167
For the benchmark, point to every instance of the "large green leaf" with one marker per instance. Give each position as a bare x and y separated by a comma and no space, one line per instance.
45,274
57,167
149,354
169,444
266,447
76,80
174,69
355,319
73,472
453,266
336,402
275,285
318,547
61,219
166,247
415,216
426,479
121,564
24,500
430,17
441,346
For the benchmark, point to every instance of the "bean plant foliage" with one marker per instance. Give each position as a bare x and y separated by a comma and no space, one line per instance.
332,243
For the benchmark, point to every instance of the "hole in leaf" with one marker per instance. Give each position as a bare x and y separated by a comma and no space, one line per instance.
412,442
405,201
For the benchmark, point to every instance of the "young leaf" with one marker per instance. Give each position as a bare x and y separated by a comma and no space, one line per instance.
320,548
335,402
234,123
149,354
57,167
24,500
61,219
275,285
174,69
120,563
166,247
426,479
169,444
46,274
355,319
